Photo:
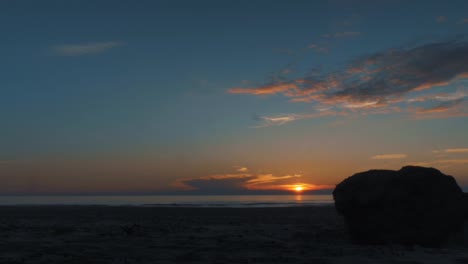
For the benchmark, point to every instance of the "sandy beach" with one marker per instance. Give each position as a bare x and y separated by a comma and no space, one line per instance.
104,234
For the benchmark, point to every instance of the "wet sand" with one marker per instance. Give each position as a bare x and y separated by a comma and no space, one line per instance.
100,234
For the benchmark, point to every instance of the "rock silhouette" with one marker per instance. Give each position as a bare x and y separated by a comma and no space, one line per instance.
415,205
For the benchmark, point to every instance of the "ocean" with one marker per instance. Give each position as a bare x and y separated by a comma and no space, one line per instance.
174,200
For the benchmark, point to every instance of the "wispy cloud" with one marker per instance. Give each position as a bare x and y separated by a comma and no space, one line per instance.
343,34
441,19
452,150
323,45
389,156
452,161
277,120
230,180
388,76
457,150
266,121
395,80
265,89
268,178
85,48
319,48
438,97
244,181
441,107
242,169
463,21
442,163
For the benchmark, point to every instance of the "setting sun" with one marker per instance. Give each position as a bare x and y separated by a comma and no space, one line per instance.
298,188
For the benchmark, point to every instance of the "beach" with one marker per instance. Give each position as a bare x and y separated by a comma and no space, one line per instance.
138,234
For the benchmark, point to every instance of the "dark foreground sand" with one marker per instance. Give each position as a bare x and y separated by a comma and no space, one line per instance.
98,234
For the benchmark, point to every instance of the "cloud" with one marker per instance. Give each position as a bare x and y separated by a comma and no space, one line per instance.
452,150
243,182
343,34
242,169
452,161
441,107
389,156
278,120
324,45
231,181
267,178
266,121
457,150
442,163
319,48
438,97
394,73
463,21
283,51
86,48
404,79
266,89
441,19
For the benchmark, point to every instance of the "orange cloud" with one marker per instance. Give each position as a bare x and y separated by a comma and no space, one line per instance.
456,150
452,161
242,169
244,181
362,104
267,178
429,85
442,162
389,156
266,89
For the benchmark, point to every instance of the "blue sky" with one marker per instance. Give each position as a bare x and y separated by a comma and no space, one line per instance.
167,92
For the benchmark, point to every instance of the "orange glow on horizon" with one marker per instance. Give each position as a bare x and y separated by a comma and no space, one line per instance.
298,188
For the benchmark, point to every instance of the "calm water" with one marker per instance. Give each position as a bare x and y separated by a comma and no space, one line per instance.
156,200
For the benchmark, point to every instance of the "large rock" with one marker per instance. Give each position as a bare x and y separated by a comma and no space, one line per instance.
414,205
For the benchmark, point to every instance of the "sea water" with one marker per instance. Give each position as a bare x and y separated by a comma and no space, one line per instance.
174,200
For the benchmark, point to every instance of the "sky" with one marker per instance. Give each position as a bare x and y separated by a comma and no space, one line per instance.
106,97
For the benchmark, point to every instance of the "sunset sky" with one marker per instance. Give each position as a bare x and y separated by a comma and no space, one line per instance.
228,96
